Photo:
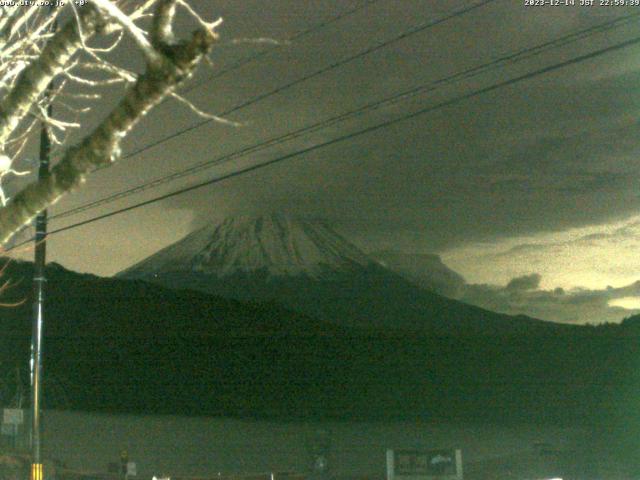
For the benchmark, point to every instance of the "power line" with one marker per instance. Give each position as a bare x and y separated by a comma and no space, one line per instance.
407,33
293,38
463,75
263,53
251,58
446,103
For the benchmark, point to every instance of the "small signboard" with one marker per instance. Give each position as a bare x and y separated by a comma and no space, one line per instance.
13,416
132,469
445,464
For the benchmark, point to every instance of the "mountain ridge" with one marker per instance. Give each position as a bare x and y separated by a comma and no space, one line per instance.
329,279
276,243
131,346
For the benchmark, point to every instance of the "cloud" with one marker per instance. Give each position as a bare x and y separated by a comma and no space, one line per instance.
525,282
556,152
537,157
522,297
425,270
590,257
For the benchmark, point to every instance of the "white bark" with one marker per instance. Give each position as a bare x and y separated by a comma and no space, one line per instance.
34,79
170,64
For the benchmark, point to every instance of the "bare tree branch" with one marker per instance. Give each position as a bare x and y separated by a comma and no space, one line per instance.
161,28
176,62
35,78
128,24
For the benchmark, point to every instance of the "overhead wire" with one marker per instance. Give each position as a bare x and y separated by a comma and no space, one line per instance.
332,66
401,96
367,130
274,47
403,35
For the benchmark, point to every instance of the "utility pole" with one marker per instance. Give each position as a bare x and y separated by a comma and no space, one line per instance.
39,282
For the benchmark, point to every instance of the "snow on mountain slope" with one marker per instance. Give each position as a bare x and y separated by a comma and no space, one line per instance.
277,244
310,269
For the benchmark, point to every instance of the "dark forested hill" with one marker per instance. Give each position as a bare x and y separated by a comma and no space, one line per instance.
123,345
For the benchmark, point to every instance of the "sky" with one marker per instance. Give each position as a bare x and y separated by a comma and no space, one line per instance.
535,181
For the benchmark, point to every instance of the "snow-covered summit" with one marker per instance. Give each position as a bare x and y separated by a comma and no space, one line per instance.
276,244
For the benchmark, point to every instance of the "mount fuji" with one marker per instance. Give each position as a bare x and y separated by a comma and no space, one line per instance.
308,267
274,245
